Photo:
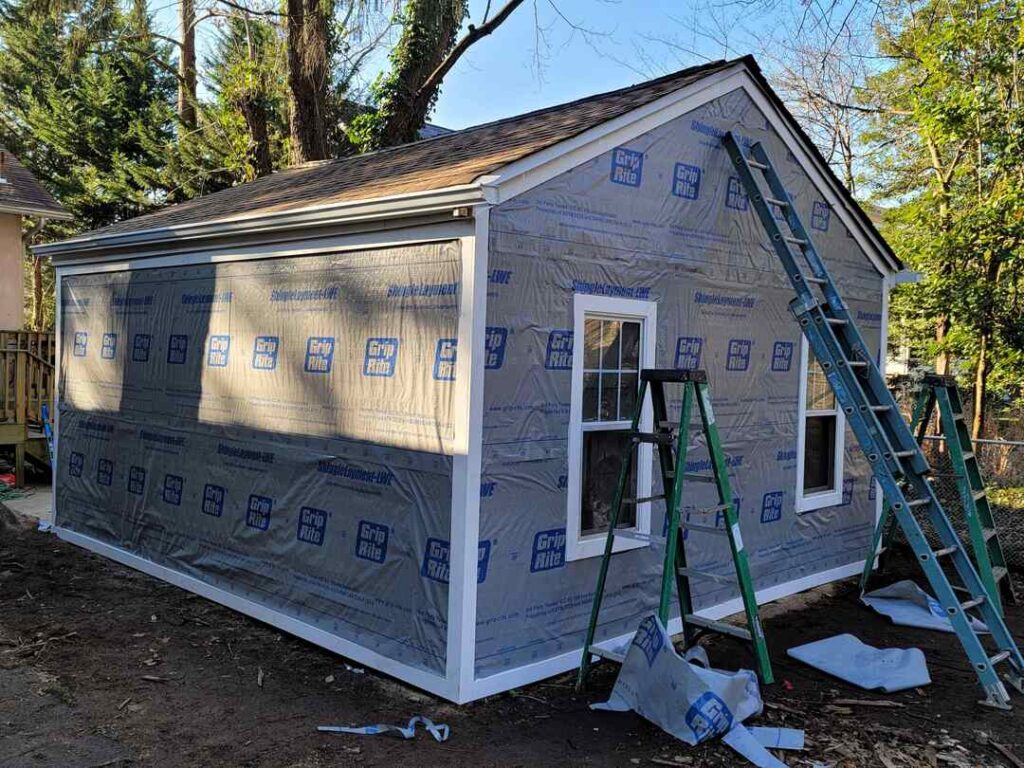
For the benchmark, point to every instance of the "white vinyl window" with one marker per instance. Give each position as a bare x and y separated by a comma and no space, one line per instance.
613,339
821,432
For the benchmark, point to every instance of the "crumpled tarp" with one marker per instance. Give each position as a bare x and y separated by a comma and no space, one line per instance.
906,603
688,699
884,669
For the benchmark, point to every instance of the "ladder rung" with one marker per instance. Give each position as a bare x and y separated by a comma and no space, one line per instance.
697,477
999,658
972,603
856,363
795,240
835,321
703,528
775,201
998,573
652,437
988,533
715,509
958,417
978,495
968,454
693,573
717,626
904,454
945,551
644,499
815,280
880,408
634,535
918,502
755,164
618,658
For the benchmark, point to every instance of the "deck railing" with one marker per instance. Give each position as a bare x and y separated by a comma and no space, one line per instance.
26,376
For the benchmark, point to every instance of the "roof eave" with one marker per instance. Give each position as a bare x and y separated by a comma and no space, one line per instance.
353,211
35,210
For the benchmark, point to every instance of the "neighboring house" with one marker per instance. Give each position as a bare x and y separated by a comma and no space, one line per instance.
20,196
378,402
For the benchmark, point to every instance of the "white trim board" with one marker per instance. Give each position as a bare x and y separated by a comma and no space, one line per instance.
531,673
421,678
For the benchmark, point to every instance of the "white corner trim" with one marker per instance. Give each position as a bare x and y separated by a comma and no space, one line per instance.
420,678
465,508
578,547
531,673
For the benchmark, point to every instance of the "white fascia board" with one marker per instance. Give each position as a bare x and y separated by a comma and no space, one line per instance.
421,678
31,210
523,175
531,673
351,212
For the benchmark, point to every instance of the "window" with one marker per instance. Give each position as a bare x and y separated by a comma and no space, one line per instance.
613,341
820,436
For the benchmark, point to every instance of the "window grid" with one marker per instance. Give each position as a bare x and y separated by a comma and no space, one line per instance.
621,379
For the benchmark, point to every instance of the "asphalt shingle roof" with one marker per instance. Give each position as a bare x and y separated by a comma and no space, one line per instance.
22,193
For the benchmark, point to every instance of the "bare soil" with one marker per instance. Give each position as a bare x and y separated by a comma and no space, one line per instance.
104,666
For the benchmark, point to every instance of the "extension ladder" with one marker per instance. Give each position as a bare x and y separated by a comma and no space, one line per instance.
941,391
48,432
672,450
896,459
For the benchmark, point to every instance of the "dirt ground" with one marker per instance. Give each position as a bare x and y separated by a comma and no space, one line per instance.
103,666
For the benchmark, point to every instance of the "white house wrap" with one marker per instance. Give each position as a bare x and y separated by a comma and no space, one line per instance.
375,402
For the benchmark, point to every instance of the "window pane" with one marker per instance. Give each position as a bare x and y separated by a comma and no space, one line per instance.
819,392
591,343
609,397
610,344
631,346
590,396
819,453
627,395
602,462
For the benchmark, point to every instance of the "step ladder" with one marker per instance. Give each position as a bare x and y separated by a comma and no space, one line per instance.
896,459
672,442
941,392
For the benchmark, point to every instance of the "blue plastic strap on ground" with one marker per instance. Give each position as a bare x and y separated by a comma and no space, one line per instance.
439,732
745,743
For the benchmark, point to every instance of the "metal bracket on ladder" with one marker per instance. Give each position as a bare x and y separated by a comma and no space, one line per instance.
896,460
672,440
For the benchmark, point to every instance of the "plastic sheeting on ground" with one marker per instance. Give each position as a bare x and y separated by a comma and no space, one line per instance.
846,657
439,732
906,603
688,699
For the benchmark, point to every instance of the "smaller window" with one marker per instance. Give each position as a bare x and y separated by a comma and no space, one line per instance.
820,438
614,340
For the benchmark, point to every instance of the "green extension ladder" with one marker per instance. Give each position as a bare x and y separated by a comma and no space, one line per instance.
895,458
941,391
672,443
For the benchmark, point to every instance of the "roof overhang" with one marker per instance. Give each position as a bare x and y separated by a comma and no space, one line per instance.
41,212
511,180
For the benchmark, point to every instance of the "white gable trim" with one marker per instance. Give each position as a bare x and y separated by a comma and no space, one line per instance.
529,172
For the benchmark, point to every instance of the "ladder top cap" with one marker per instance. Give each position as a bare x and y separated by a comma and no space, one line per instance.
673,375
939,379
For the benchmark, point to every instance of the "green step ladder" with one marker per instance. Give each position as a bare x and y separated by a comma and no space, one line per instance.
672,441
941,392
896,459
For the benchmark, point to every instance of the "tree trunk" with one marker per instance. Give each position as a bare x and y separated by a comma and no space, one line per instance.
187,64
259,140
980,385
942,326
308,78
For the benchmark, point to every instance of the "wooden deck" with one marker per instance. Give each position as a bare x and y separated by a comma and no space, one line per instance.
26,385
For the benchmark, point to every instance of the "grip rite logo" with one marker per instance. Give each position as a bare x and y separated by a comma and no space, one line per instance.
381,356
108,350
264,353
312,526
372,541
494,347
136,480
686,181
627,167
548,550
213,500
648,638
558,356
319,354
688,350
173,487
76,462
738,355
771,506
217,353
81,344
177,349
444,359
782,356
436,561
140,347
104,472
257,512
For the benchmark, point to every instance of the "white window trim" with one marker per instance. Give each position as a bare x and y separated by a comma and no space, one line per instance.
580,547
808,502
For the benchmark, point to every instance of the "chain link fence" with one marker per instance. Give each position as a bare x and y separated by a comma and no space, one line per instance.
1001,462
